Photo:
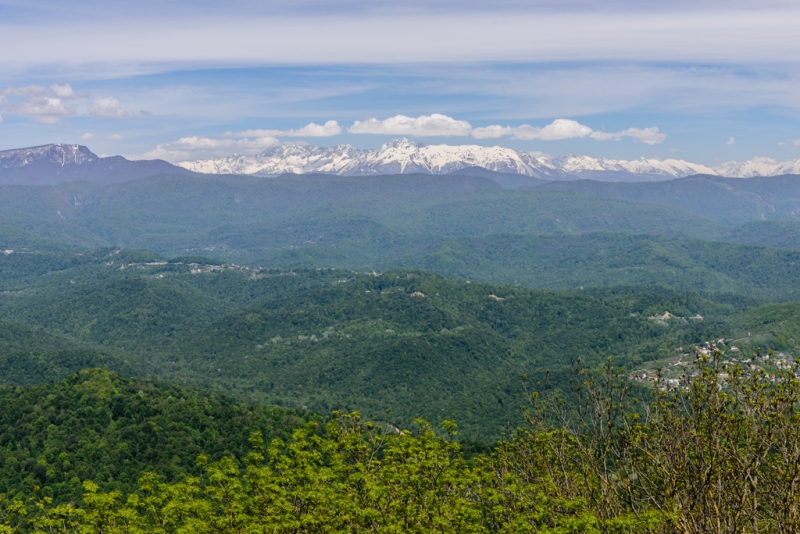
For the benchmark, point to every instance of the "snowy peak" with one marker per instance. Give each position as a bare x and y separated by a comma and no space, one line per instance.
758,167
670,168
57,154
288,158
400,156
404,156
403,144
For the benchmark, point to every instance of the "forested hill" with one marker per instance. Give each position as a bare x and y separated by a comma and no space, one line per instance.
97,425
31,355
731,201
397,345
244,217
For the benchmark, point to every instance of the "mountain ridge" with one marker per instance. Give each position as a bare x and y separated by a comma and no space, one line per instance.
402,156
57,163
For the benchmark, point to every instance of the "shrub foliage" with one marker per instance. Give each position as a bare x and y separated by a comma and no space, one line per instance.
719,453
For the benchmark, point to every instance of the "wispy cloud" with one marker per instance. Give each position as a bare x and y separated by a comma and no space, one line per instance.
730,141
716,33
59,91
194,147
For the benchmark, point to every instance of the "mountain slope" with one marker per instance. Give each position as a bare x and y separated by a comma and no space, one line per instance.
405,341
727,200
32,355
96,425
54,164
416,345
607,260
238,216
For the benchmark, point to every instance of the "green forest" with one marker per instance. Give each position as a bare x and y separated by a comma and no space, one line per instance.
699,458
399,345
399,354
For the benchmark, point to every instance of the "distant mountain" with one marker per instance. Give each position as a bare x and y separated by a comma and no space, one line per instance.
758,167
57,163
402,156
507,180
642,169
731,201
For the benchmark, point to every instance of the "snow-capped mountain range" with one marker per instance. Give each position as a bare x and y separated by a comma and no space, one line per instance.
50,164
404,156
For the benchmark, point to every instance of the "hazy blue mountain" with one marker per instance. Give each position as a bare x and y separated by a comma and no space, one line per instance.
57,163
731,201
776,233
506,179
614,259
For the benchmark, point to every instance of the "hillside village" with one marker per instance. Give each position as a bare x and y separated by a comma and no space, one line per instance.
675,373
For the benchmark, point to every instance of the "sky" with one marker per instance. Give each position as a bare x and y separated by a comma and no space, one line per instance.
706,81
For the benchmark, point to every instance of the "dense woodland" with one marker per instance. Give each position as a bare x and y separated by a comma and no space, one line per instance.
399,345
703,457
458,332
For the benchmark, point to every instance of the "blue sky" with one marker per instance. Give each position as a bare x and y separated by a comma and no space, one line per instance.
706,81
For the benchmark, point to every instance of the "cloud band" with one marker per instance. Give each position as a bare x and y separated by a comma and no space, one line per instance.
437,125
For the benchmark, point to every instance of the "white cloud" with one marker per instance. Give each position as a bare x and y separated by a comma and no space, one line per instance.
730,141
45,109
114,137
795,142
328,129
492,132
48,104
65,91
556,130
422,126
254,141
193,148
567,129
107,108
648,136
40,103
87,136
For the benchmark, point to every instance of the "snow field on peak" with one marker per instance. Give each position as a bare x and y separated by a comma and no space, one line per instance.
402,156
